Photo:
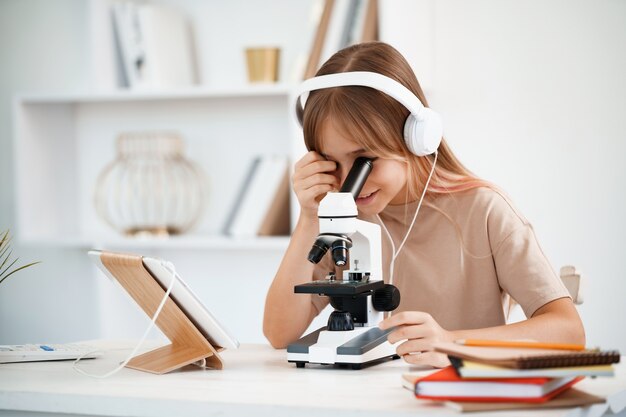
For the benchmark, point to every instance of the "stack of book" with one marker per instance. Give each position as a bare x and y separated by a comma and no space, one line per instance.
498,375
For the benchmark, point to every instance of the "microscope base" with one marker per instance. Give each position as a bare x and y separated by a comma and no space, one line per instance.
363,345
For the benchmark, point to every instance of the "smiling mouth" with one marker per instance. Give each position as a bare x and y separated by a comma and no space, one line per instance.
366,198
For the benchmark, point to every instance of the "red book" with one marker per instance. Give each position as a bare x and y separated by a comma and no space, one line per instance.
447,385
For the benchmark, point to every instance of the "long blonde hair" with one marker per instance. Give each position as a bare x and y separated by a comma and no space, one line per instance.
376,121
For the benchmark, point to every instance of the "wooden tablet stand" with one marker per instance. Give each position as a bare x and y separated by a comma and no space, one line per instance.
187,346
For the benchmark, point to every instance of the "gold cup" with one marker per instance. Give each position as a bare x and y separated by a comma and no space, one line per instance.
263,64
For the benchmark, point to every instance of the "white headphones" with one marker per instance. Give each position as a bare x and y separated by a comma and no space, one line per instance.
423,128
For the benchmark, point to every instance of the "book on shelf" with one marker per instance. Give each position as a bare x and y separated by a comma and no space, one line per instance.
362,23
276,219
155,46
370,22
322,18
340,24
242,194
261,206
338,31
528,358
446,384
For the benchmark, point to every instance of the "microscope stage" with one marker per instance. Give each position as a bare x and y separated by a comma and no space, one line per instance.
338,287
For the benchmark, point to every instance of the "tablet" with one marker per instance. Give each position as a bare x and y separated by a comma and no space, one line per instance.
184,297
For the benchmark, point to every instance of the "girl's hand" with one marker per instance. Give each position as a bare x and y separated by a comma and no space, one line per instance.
311,180
421,332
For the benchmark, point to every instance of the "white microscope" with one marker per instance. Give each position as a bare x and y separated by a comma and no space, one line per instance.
352,336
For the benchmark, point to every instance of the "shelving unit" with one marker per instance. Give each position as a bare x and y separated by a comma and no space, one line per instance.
188,242
63,142
125,95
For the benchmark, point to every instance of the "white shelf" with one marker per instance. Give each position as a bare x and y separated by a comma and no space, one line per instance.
125,95
64,141
190,242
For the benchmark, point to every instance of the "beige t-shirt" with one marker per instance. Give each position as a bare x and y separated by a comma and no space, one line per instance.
464,289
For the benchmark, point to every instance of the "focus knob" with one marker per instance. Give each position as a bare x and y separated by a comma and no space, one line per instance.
340,321
386,298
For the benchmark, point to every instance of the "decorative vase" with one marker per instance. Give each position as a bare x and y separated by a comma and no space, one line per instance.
151,188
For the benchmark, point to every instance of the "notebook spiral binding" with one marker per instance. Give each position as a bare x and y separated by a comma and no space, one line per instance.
578,359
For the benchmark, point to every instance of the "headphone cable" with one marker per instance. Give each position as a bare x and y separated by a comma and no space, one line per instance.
170,268
393,246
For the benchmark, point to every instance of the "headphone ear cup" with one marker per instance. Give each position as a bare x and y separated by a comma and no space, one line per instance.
423,135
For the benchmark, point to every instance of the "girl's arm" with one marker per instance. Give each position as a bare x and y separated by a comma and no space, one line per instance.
557,321
287,315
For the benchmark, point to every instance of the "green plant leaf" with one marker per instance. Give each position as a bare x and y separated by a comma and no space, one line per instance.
5,258
5,240
18,269
2,272
6,233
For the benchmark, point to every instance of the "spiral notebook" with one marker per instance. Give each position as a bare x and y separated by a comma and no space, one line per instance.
525,358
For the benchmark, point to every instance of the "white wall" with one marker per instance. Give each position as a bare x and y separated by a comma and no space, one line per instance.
42,47
533,96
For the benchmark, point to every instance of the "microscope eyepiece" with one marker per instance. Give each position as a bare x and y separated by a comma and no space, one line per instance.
357,176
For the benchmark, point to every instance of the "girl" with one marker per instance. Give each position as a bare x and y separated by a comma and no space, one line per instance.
470,247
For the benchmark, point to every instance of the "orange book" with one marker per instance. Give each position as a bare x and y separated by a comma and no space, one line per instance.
446,385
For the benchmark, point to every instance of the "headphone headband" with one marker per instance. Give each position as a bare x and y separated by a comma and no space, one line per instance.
422,129
373,80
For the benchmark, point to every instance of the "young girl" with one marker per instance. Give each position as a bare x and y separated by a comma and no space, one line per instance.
469,248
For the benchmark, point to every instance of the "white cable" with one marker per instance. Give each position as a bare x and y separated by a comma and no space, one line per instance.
395,254
170,267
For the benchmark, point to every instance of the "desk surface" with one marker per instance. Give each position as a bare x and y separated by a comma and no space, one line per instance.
256,380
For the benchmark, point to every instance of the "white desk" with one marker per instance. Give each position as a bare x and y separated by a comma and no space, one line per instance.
256,380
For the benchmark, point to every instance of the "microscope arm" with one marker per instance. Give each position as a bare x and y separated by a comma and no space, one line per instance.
366,252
